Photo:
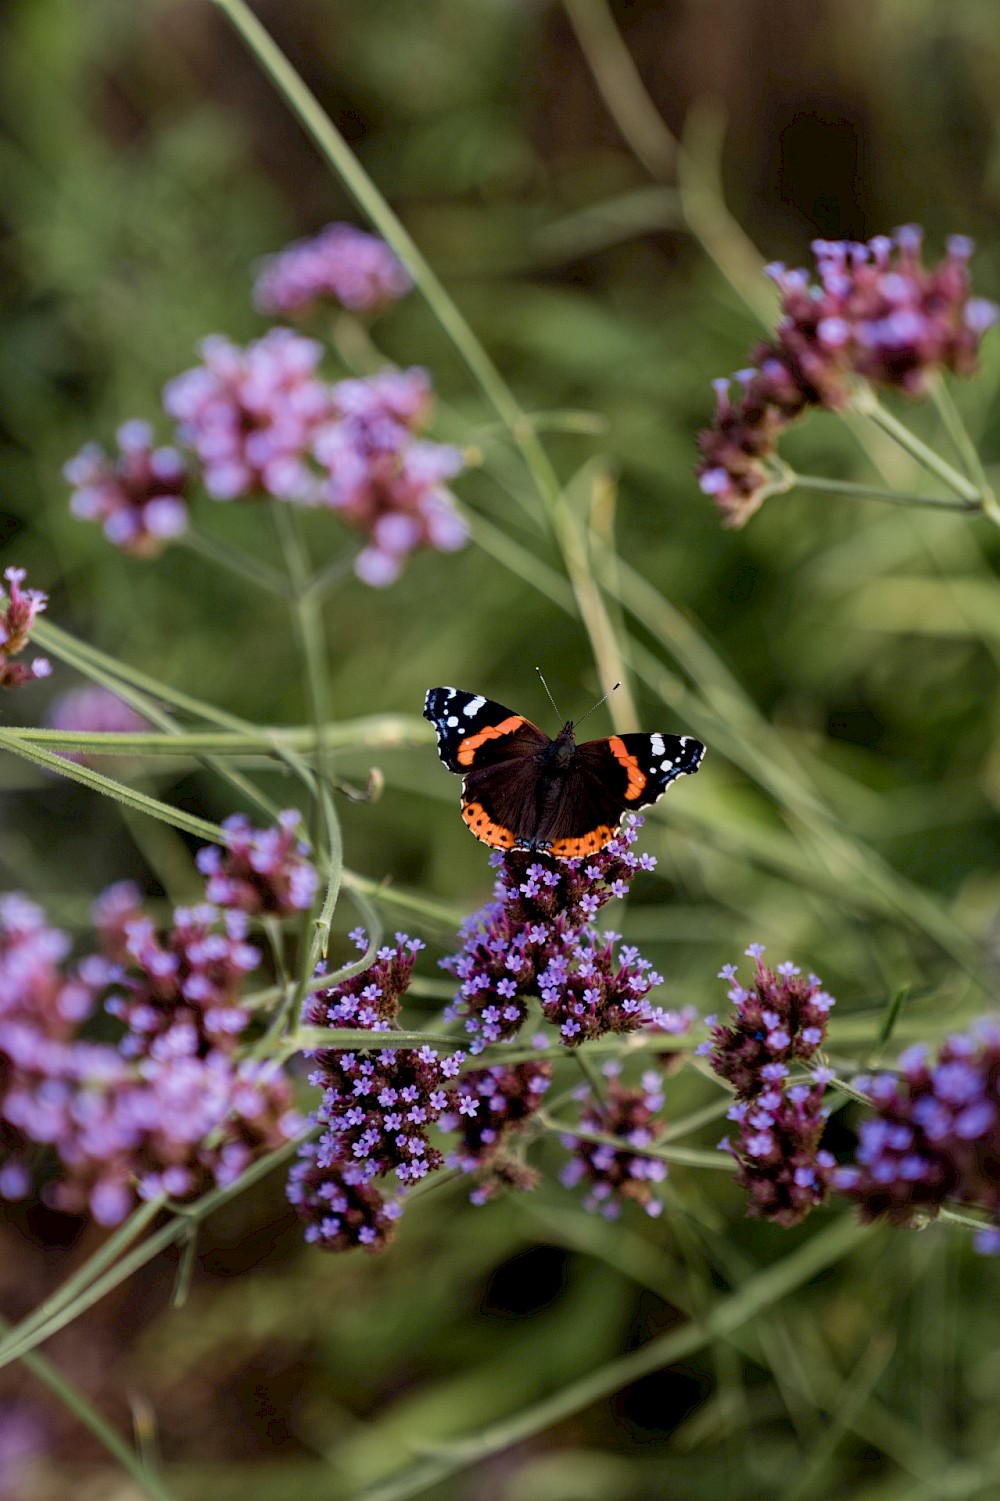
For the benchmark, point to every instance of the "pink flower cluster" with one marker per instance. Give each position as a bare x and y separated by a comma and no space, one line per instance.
489,1107
934,1136
171,1107
340,264
876,313
250,415
138,497
611,1172
23,607
382,478
377,1107
95,709
260,870
536,938
780,1020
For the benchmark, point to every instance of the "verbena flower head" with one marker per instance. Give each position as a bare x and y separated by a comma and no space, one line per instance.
535,938
137,496
24,1440
23,606
780,1019
168,1109
340,264
934,1136
377,1106
780,1162
611,1172
383,478
93,708
251,415
488,1109
189,978
260,870
875,312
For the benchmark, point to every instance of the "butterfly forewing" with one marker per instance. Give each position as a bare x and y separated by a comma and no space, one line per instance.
477,731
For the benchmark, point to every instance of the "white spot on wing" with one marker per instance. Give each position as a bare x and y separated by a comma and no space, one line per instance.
658,745
474,705
452,721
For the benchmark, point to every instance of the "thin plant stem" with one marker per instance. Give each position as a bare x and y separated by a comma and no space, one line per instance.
86,1413
688,1156
362,189
867,405
233,560
877,492
960,436
21,1339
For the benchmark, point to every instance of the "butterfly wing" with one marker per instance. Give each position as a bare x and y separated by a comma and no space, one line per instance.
609,778
474,731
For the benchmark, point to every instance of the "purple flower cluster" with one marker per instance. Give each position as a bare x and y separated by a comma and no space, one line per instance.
171,1107
341,263
536,938
138,497
23,607
612,1172
376,1110
876,313
260,870
250,415
93,709
24,1440
489,1106
934,1138
781,1019
382,478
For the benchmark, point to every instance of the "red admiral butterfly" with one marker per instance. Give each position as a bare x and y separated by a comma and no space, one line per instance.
524,790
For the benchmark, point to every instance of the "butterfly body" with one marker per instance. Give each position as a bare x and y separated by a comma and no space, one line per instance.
522,789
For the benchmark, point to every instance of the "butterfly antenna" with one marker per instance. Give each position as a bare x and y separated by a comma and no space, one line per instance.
551,699
600,701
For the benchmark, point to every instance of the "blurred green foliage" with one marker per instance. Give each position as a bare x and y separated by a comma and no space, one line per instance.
850,649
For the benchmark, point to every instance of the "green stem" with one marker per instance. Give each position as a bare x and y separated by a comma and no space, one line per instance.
968,452
94,780
688,1156
75,1402
876,492
224,555
364,192
24,1337
867,404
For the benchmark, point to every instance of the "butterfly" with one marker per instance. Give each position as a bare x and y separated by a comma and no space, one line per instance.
524,790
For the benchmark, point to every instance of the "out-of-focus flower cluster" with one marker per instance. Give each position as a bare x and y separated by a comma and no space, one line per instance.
376,1110
23,606
611,1172
138,496
536,937
876,313
260,870
171,1107
934,1138
780,1020
340,264
261,421
382,478
93,709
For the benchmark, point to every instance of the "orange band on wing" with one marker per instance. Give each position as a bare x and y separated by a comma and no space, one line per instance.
636,776
484,828
466,753
587,844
